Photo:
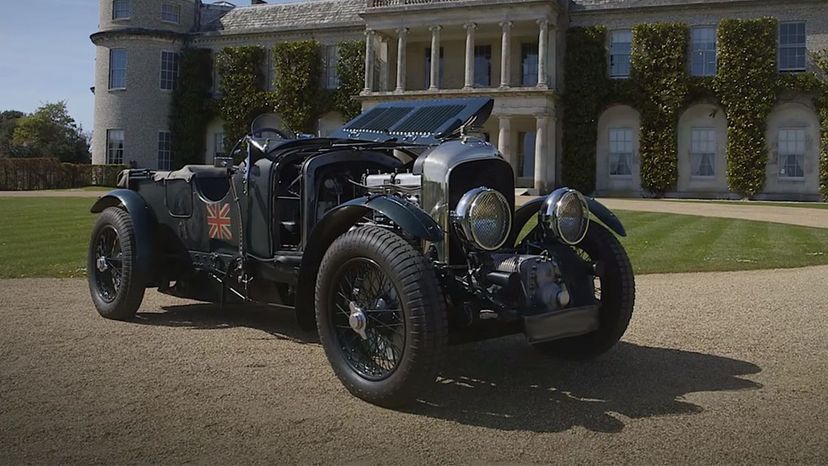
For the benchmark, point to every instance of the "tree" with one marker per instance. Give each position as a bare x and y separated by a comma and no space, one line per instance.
50,132
8,122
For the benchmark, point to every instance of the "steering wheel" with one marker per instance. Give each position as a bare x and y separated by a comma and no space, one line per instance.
258,132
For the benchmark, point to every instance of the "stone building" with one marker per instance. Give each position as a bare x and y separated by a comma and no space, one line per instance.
510,50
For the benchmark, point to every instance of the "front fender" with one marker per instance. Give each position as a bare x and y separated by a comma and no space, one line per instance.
340,219
598,210
143,222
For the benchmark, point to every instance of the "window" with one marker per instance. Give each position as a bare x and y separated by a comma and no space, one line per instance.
170,13
483,65
331,60
428,68
620,47
526,151
120,9
529,64
703,51
620,151
269,71
216,77
792,50
218,145
791,153
115,146
164,150
169,70
703,152
117,68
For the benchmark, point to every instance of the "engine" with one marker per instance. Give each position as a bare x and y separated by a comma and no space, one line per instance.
406,185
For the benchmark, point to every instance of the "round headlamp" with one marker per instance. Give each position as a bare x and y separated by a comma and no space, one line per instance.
484,218
565,215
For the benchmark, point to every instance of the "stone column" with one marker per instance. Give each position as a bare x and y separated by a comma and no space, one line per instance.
541,155
435,58
506,54
369,60
543,42
402,34
504,139
470,27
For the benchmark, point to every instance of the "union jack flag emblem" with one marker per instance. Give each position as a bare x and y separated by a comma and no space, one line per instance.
218,219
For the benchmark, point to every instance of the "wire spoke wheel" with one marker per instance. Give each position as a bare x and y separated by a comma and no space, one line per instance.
108,269
369,322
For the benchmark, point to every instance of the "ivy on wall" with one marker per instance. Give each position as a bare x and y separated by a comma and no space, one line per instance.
351,70
297,88
191,108
587,88
243,94
659,71
746,86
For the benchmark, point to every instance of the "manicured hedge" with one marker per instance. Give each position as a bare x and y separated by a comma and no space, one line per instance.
24,174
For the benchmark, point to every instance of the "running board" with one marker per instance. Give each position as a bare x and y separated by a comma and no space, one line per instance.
559,324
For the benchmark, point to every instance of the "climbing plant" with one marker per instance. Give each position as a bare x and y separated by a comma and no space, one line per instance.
243,94
746,84
191,108
587,88
351,71
297,89
659,71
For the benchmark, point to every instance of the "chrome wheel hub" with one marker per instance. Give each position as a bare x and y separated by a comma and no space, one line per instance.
102,264
357,319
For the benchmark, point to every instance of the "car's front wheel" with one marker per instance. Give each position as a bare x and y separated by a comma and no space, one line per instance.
113,282
381,316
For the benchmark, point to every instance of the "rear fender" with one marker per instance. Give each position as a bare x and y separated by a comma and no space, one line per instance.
339,220
144,223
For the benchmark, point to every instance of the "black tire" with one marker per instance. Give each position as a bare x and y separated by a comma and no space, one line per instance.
114,285
400,281
617,298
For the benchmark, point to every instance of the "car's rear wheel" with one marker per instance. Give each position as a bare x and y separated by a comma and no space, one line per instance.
113,282
381,316
614,290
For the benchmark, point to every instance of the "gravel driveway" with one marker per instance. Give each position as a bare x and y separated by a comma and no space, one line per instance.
719,367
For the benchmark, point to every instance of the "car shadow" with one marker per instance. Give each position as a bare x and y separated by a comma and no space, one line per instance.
504,384
277,322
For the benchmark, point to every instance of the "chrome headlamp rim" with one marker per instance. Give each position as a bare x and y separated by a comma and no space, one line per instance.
465,207
549,215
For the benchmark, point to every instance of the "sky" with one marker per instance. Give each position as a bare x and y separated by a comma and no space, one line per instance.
46,55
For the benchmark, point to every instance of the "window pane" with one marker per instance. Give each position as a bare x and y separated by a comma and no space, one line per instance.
620,151
218,145
330,60
620,47
526,149
169,70
115,146
792,46
529,64
791,149
483,65
170,13
703,51
120,9
117,68
164,150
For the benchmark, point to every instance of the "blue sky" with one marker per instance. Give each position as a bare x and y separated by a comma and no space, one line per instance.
46,55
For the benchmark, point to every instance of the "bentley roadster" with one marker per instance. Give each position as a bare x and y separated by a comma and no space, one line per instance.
393,238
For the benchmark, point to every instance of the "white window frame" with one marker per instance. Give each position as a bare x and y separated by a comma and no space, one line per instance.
113,70
782,154
611,55
329,67
700,50
803,46
696,153
175,11
115,10
613,154
110,160
164,150
173,79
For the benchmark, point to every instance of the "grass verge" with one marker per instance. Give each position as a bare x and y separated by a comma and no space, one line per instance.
48,237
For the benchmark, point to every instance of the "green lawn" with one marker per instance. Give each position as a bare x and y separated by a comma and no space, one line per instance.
48,237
